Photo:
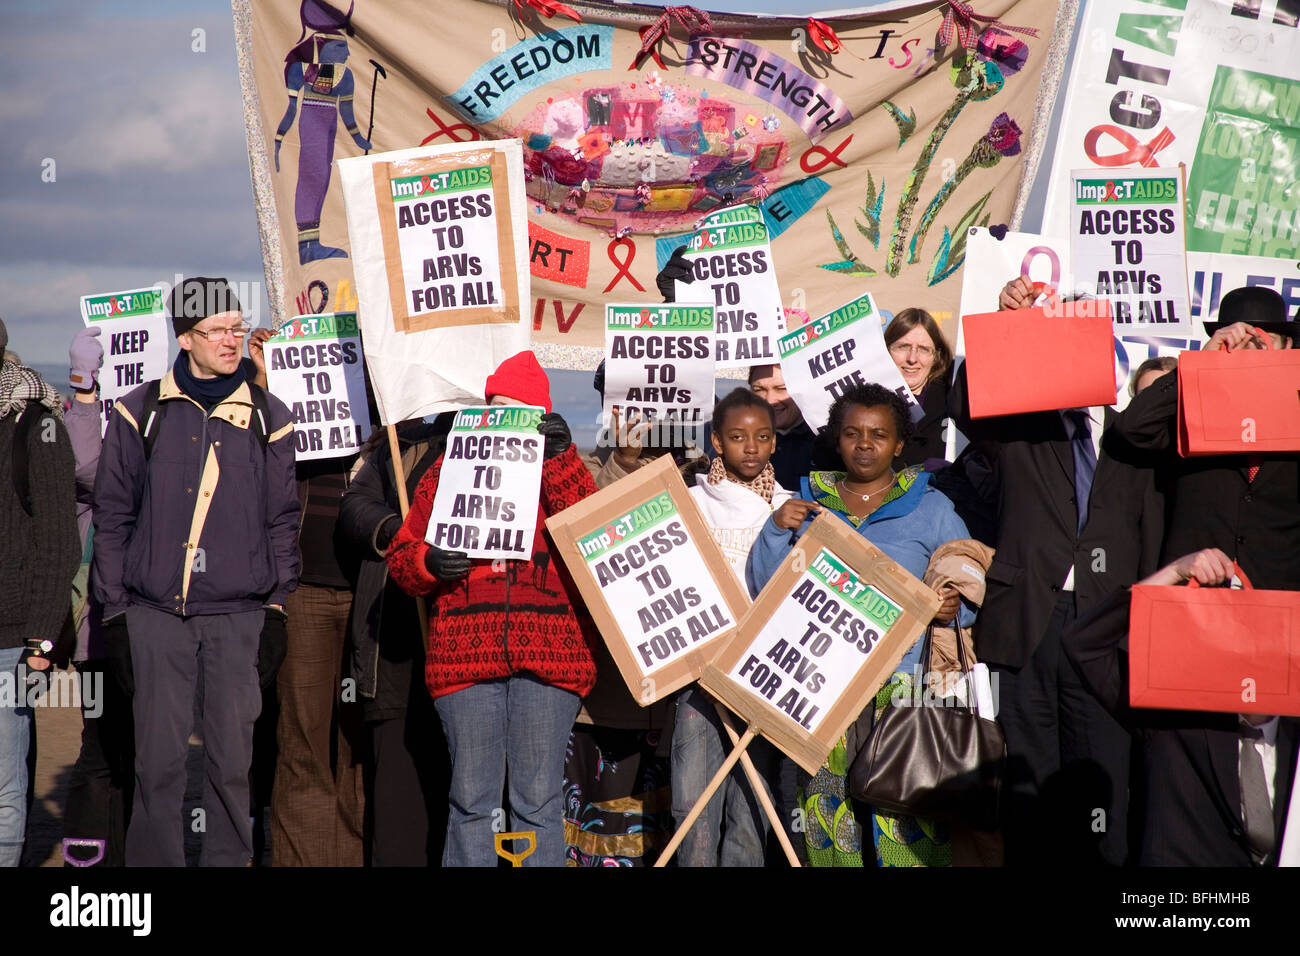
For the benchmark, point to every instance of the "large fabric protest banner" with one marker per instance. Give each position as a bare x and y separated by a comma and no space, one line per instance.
313,365
439,233
869,140
1211,84
133,332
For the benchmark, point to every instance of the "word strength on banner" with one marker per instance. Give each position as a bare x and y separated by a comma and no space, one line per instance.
491,479
824,635
828,356
448,240
134,336
659,362
731,254
652,576
314,365
1127,245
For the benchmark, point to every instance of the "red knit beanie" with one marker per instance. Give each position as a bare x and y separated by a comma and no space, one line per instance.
522,378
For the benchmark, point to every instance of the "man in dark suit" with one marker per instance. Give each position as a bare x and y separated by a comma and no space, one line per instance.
1217,786
1246,505
1078,515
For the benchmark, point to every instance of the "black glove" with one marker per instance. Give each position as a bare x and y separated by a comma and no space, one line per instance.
117,652
676,268
557,435
273,646
446,565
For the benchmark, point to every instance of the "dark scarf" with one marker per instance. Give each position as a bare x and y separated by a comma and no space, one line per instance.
206,391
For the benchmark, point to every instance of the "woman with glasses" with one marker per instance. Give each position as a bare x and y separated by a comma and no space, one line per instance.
923,356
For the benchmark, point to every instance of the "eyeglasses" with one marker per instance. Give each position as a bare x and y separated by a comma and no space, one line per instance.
924,351
216,335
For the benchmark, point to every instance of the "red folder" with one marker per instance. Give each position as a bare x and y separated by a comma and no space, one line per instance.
1242,402
1233,651
1025,360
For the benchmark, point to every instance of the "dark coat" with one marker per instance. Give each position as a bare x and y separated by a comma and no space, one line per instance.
1212,503
927,439
1192,808
1033,474
387,645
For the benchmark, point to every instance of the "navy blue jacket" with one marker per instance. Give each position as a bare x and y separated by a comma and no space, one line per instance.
209,523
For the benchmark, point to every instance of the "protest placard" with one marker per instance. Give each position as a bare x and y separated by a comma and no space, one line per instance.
134,336
447,239
824,635
653,578
828,356
439,241
314,365
491,478
731,256
659,365
1127,245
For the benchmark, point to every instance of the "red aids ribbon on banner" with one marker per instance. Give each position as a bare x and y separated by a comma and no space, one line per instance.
1134,152
831,156
445,130
959,18
624,267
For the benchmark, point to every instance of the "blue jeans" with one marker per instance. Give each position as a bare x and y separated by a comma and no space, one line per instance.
516,728
699,749
14,730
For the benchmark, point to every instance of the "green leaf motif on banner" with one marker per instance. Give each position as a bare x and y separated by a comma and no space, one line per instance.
871,212
906,121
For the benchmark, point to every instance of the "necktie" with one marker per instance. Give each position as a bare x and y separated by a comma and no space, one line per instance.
1085,462
1256,810
1252,466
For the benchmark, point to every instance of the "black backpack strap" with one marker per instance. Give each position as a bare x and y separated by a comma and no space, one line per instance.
260,421
149,415
21,462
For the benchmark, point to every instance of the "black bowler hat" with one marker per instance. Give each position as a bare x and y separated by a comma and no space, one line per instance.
1255,305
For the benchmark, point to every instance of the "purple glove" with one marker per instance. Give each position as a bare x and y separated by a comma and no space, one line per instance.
87,357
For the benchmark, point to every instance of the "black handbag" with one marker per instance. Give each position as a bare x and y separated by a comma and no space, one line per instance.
938,760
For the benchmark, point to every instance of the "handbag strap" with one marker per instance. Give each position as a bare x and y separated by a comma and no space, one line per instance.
927,649
1241,575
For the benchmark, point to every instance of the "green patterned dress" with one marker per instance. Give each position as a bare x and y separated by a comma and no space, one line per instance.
832,833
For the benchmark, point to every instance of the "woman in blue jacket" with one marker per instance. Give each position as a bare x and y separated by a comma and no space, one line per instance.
902,515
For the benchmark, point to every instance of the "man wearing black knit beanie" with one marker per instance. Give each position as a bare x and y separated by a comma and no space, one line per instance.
196,524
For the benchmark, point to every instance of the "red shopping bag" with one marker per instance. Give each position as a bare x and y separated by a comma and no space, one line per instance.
1242,402
1233,651
1027,360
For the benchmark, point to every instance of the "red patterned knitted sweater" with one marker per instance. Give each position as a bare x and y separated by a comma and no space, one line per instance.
493,624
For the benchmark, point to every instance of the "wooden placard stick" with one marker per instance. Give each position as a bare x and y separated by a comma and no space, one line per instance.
718,778
404,504
756,783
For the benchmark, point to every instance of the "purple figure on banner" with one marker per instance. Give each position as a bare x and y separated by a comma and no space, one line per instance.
315,67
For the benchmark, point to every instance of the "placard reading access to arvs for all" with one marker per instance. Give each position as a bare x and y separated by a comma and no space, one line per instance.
489,484
817,641
659,362
447,231
658,588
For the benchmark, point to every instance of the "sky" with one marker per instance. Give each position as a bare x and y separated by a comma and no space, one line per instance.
125,163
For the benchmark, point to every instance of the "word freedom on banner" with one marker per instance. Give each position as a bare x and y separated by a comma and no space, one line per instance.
659,363
1127,246
840,350
732,255
490,483
313,365
134,336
